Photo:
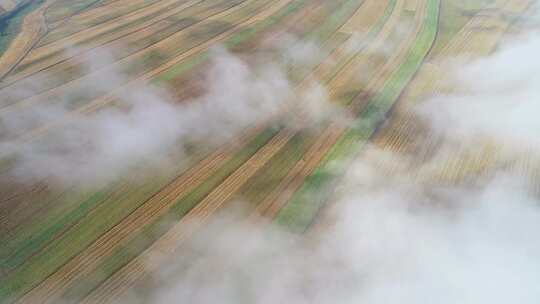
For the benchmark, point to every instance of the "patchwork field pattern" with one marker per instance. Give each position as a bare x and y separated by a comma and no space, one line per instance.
70,242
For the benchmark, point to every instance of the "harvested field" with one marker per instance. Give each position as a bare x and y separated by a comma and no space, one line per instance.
130,130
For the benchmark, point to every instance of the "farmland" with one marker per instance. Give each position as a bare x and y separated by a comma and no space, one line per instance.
129,127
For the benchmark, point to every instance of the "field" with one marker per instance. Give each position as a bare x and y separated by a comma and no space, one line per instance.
104,177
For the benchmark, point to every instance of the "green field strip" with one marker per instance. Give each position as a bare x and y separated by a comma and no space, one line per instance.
260,185
51,207
144,238
57,207
36,242
298,214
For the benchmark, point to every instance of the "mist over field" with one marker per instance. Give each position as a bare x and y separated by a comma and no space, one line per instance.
415,172
147,122
395,238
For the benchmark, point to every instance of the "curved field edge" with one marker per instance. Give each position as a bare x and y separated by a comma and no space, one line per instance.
298,214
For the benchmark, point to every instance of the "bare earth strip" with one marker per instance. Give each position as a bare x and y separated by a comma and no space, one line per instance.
33,28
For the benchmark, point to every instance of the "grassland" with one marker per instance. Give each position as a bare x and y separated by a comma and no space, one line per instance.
74,243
